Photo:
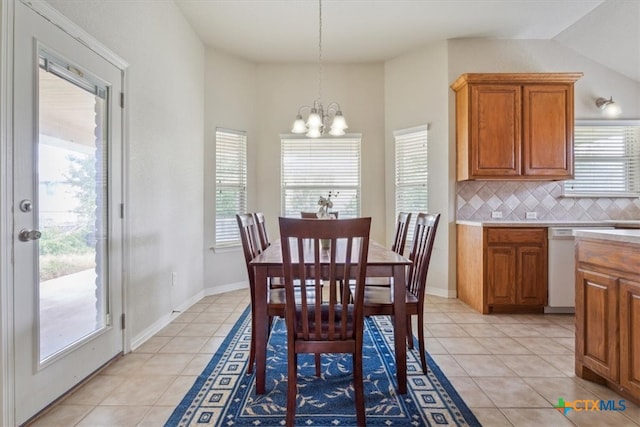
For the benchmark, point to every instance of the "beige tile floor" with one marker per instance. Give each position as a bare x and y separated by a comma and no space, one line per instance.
509,369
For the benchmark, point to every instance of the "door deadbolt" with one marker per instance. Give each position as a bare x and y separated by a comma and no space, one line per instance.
26,205
27,235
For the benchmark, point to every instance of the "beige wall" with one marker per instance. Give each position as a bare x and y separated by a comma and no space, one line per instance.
416,91
230,102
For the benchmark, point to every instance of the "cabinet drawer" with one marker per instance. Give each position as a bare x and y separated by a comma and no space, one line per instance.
516,235
623,258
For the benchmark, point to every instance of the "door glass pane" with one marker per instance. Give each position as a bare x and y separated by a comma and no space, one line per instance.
71,208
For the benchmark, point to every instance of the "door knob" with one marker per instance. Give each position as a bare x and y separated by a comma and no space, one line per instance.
26,235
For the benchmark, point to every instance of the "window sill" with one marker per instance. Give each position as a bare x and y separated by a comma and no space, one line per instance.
235,247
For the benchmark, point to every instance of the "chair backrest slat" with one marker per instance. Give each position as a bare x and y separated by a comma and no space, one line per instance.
420,255
261,226
400,236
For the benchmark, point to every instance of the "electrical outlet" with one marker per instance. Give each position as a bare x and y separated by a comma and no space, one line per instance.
531,215
174,278
496,214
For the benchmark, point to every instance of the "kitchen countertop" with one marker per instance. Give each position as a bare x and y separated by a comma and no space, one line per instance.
536,223
631,224
619,235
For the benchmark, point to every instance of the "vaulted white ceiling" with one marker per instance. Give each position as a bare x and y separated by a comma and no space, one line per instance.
378,30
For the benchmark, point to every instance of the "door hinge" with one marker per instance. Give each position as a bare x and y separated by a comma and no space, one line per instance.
108,319
122,210
122,321
121,99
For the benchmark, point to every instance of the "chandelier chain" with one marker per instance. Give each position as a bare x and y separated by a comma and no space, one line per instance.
320,52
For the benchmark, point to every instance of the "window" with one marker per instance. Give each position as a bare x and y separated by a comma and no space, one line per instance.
411,172
606,160
231,184
313,167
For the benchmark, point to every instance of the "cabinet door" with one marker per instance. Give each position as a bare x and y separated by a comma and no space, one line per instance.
495,130
501,275
531,287
547,131
630,336
597,322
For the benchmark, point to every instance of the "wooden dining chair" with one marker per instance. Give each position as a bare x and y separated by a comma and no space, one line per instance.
379,300
313,325
251,247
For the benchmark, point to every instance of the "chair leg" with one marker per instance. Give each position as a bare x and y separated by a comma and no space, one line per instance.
409,333
318,365
358,386
252,345
423,351
292,387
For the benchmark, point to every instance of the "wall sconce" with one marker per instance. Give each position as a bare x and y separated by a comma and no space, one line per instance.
608,107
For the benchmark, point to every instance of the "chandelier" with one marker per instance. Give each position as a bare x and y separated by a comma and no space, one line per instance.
320,118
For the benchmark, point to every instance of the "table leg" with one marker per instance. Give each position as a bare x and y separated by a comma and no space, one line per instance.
400,326
262,326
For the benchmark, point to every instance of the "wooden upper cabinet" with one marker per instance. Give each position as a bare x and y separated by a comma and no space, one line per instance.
515,126
548,131
495,130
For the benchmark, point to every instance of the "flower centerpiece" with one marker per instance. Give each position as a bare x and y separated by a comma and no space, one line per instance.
323,213
325,204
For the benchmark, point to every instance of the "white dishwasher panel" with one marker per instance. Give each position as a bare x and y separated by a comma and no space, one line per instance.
562,266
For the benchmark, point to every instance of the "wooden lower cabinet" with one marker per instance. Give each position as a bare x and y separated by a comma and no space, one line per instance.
501,275
608,315
630,336
597,314
502,268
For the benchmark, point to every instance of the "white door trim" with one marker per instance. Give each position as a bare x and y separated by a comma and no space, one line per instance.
6,226
7,10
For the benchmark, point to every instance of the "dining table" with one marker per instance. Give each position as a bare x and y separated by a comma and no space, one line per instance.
381,262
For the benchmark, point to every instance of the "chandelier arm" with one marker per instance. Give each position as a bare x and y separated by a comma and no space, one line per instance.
304,107
333,107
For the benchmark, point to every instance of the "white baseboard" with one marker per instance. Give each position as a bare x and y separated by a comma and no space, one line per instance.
162,322
226,288
439,292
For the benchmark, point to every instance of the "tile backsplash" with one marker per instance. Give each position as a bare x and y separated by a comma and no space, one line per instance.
477,199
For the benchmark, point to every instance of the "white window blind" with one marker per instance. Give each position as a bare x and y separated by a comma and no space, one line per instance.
606,161
411,171
314,167
231,184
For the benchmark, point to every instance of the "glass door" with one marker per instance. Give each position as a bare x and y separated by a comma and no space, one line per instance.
67,221
72,206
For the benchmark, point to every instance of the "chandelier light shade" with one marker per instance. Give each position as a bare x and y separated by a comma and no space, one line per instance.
319,118
609,107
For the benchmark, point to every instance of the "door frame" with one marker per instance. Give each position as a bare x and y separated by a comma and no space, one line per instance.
7,10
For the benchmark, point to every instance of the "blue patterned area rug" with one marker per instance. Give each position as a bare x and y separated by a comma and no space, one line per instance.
224,395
